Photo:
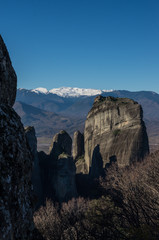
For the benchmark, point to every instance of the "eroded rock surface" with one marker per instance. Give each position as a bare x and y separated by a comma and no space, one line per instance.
116,125
36,178
78,145
8,78
15,178
62,143
64,183
16,209
58,169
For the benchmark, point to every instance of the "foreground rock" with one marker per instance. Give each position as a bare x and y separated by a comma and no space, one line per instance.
15,161
78,145
116,126
8,78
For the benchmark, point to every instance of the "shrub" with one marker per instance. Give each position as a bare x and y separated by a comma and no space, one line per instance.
116,132
48,222
136,191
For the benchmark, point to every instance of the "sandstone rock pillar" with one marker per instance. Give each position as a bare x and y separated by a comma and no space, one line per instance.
16,210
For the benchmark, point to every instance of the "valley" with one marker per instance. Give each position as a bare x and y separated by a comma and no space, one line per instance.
49,112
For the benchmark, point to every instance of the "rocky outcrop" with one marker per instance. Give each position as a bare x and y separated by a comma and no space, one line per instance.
8,78
96,169
36,180
46,176
64,183
58,169
81,166
116,126
62,143
78,145
15,161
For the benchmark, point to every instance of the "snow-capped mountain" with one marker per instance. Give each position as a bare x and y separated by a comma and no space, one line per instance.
48,110
70,92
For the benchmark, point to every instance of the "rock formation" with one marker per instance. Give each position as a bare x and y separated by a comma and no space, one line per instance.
15,160
64,183
58,169
116,126
62,143
8,78
36,180
96,169
46,176
78,145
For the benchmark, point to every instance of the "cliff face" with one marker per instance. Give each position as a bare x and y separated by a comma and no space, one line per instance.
15,161
36,180
8,78
116,126
58,169
61,142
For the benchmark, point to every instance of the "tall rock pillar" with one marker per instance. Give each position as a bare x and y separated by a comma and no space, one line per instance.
116,126
15,161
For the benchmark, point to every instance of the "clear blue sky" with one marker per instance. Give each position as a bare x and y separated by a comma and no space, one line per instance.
103,44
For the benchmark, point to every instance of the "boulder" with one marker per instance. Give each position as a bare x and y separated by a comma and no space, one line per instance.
78,145
16,205
116,125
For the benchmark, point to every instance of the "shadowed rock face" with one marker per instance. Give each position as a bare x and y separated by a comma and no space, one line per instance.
45,176
96,169
64,184
8,78
62,142
15,161
116,126
36,180
58,169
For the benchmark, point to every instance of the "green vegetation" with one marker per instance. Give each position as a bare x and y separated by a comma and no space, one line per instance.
116,132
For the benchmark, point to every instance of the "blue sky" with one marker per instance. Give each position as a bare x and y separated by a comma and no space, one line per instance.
103,44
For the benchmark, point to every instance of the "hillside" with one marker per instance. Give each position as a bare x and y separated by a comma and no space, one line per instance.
52,112
46,123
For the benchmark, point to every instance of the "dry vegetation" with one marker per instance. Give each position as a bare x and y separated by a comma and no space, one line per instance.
128,209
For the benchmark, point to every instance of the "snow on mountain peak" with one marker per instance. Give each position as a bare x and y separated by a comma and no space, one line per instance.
40,90
70,91
74,92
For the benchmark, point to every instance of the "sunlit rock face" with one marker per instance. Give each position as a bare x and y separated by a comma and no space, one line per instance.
16,209
8,78
116,126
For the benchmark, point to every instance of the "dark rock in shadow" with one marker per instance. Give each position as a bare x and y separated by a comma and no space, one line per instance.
96,170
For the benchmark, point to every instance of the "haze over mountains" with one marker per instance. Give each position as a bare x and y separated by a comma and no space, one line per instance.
67,108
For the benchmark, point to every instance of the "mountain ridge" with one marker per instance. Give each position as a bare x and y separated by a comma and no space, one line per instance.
69,91
75,109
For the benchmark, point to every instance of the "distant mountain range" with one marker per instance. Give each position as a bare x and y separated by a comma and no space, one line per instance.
69,91
67,108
